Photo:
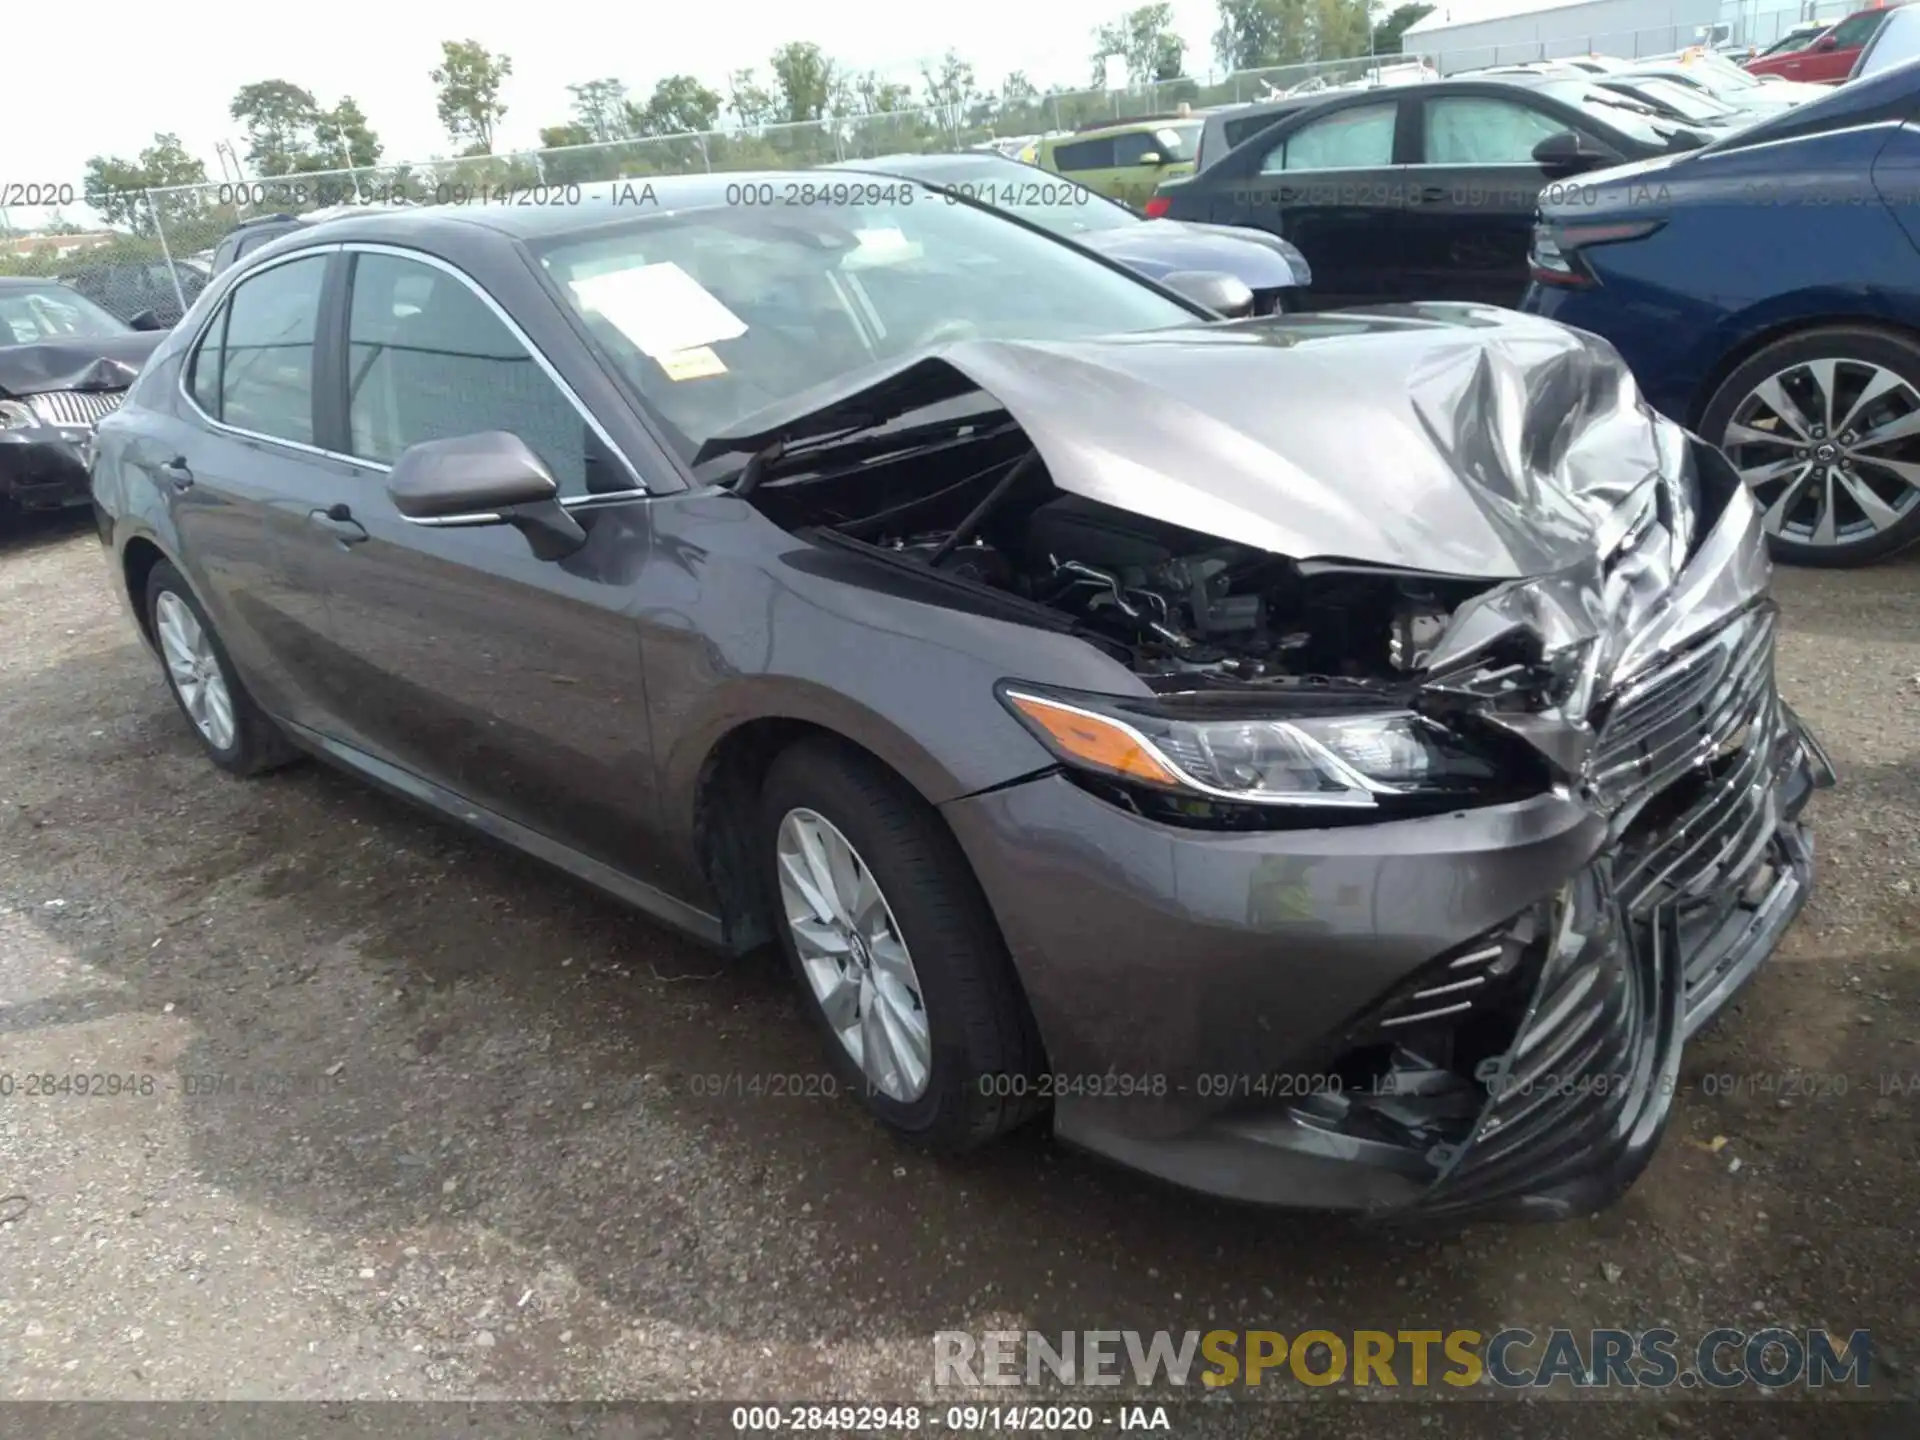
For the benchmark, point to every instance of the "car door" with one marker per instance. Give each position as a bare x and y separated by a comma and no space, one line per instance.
1090,162
1329,183
237,468
1471,200
461,658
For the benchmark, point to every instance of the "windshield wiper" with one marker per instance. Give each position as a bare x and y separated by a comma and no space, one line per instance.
847,445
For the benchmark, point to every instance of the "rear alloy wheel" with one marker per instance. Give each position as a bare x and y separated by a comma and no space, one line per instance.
897,953
236,734
1824,427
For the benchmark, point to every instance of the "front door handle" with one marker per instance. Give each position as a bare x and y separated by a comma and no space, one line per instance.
337,520
1433,194
176,473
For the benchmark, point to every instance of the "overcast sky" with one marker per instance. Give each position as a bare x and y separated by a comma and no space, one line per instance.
101,76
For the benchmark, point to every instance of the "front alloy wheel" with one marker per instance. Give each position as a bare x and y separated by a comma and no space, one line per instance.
1824,428
897,953
851,953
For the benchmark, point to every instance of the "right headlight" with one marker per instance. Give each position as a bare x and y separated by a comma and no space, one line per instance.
1346,759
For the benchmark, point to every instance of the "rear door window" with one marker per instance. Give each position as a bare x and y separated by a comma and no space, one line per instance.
1083,155
1357,138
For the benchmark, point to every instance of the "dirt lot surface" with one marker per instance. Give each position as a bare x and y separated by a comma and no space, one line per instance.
423,1122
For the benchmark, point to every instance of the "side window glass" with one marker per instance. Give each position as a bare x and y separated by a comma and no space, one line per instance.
266,373
1360,138
427,359
1855,31
1083,155
1127,149
203,380
1475,130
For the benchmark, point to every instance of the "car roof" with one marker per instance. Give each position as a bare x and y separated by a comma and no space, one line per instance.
1139,122
602,202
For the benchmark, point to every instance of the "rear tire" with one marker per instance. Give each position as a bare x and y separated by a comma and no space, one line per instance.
1827,499
236,734
980,1040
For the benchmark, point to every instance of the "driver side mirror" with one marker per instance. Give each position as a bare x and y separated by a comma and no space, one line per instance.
148,320
1218,291
1568,153
490,478
1826,42
1152,157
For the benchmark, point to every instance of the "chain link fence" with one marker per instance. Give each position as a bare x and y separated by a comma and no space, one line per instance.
157,249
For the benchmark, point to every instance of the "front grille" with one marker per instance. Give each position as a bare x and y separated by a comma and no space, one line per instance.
1664,723
1582,1068
75,407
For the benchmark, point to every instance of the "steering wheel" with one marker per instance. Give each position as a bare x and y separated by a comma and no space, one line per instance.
948,330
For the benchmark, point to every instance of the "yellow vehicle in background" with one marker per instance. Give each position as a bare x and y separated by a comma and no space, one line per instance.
1124,160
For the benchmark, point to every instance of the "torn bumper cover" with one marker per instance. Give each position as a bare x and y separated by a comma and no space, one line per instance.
1480,1010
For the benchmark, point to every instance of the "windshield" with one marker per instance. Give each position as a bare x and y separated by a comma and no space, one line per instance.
1721,73
1631,117
1894,43
1789,43
1177,142
1037,196
716,313
1687,104
32,314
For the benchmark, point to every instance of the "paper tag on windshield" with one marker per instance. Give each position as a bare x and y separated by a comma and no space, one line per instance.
692,364
661,308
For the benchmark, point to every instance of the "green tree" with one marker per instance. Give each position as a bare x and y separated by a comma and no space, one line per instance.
600,107
679,104
119,189
752,104
806,83
279,118
343,139
1146,37
950,92
1340,28
1254,33
1386,35
1019,92
468,79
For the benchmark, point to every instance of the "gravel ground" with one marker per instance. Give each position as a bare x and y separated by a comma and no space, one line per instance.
422,1120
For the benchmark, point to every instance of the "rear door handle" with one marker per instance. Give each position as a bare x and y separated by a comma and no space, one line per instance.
1433,194
337,520
177,474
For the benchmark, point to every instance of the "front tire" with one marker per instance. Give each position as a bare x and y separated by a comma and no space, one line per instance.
896,952
235,733
1824,427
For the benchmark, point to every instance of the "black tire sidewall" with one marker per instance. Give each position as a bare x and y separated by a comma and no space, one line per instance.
1849,342
845,793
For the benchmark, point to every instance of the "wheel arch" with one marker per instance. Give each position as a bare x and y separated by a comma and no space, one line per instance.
138,557
1775,329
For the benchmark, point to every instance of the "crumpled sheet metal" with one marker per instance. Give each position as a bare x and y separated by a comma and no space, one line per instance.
107,363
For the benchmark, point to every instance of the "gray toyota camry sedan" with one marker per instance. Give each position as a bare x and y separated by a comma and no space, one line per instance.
1327,760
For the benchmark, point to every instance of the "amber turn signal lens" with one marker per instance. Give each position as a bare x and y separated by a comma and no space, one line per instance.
1103,744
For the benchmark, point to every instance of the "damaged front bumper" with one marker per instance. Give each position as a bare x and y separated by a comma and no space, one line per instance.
1473,1012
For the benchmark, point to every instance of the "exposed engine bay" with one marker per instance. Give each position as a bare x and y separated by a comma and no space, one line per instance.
1180,608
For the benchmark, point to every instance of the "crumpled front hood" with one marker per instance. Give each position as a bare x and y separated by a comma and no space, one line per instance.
1455,439
104,363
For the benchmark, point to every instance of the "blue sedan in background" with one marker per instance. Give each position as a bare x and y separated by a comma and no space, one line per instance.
1765,291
